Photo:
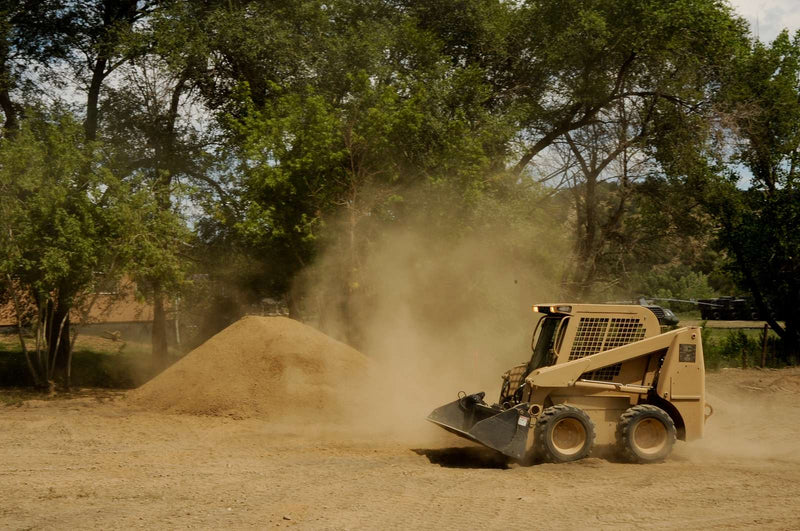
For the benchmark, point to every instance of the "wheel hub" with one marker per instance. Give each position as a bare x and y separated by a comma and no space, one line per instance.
568,436
650,436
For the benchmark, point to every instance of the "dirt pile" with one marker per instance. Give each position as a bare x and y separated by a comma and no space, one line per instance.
774,384
786,384
267,367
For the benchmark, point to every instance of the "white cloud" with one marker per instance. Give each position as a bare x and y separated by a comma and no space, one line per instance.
768,17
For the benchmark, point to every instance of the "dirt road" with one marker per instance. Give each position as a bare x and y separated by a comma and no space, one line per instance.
96,462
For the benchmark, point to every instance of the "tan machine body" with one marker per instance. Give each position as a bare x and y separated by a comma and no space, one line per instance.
599,375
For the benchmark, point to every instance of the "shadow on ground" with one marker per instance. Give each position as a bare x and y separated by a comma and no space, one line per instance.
464,457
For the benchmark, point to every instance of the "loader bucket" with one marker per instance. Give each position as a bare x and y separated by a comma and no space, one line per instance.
503,430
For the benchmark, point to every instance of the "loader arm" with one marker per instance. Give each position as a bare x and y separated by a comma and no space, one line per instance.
566,374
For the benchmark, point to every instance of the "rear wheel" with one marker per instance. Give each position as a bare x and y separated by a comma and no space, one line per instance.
645,434
563,433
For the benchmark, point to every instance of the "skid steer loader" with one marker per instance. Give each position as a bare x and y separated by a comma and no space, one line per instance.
599,374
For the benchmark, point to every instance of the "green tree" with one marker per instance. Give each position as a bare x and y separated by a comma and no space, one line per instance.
219,48
676,281
598,54
592,88
34,37
69,229
328,164
758,206
39,41
338,119
100,41
154,144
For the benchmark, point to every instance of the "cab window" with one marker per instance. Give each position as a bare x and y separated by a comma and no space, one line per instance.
543,343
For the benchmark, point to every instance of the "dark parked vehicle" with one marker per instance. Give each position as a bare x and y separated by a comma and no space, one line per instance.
728,309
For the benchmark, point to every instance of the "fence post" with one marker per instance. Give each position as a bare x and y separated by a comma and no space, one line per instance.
764,345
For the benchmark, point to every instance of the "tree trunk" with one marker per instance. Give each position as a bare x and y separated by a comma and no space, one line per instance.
292,304
93,98
159,336
352,277
764,309
15,299
58,344
791,341
6,104
162,187
116,15
9,110
586,248
176,323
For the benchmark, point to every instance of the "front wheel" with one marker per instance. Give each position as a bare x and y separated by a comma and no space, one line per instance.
563,433
645,434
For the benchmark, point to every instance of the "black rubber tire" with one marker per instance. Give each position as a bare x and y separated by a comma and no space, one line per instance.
645,434
559,426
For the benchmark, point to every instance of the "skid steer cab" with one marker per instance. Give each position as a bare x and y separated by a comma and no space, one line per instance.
598,375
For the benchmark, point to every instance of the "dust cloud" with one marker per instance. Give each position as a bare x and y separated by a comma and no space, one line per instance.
755,417
435,313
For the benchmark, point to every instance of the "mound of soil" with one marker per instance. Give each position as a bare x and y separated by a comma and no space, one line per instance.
267,367
787,384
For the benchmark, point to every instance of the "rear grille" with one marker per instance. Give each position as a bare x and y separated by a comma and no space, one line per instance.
623,331
589,337
606,374
598,334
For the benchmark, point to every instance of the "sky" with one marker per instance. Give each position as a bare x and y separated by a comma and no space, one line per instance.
768,17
